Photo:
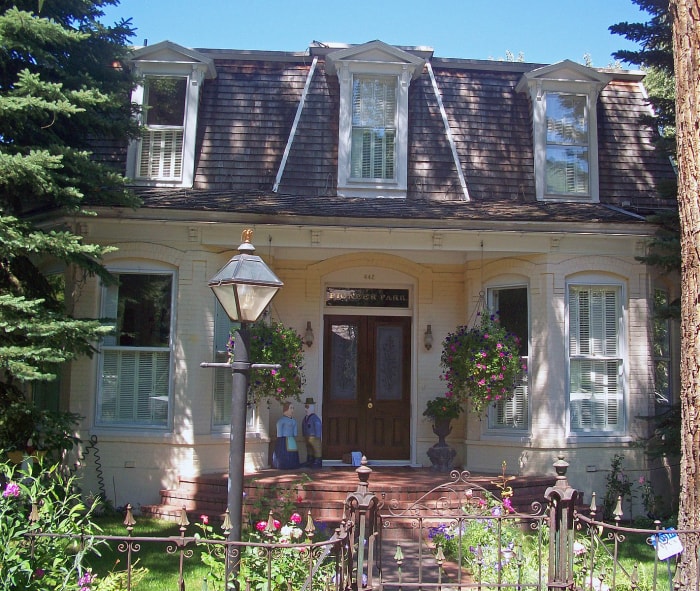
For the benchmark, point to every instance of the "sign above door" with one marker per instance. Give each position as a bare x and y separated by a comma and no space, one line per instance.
362,297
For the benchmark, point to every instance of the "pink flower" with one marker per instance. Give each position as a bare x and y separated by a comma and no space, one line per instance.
261,525
295,518
641,480
482,382
276,523
273,372
499,346
508,505
204,518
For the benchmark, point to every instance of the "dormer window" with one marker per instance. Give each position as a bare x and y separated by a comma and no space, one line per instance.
567,144
373,120
172,78
160,150
373,128
565,130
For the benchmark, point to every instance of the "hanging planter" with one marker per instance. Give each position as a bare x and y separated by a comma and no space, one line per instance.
274,343
481,364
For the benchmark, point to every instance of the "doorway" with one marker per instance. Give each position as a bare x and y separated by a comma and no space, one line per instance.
366,387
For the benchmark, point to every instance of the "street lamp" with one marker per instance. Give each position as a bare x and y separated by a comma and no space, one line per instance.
244,287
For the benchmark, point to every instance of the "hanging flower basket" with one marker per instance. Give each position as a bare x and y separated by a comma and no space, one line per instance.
481,364
274,343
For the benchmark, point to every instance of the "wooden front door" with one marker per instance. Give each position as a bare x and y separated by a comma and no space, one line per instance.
366,387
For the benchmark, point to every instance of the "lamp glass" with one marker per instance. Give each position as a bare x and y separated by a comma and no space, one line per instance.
244,287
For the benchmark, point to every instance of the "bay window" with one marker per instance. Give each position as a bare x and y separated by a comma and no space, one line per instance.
596,392
134,388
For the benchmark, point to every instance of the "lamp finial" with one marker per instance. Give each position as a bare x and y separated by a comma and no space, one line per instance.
247,236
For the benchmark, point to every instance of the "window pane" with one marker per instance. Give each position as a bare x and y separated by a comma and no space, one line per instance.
165,101
373,127
343,362
595,390
566,119
567,144
567,169
389,378
511,306
144,310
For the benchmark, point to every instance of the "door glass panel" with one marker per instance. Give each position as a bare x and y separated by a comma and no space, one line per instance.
389,374
343,378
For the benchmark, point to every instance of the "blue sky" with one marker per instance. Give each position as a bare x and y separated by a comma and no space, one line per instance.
545,31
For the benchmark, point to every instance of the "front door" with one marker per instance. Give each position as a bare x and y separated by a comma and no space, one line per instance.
366,387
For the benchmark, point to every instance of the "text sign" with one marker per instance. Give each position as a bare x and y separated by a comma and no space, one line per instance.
667,544
360,297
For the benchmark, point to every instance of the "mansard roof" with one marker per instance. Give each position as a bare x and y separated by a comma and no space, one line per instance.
248,111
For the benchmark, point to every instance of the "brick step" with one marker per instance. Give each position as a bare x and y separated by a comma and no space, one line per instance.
323,492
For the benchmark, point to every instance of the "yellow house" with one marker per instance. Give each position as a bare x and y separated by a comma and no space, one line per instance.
393,192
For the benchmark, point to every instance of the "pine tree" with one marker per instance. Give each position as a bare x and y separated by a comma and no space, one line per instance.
62,91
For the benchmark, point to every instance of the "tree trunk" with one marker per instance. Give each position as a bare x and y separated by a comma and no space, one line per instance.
686,49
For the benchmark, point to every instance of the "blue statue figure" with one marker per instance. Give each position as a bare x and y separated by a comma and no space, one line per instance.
311,429
286,454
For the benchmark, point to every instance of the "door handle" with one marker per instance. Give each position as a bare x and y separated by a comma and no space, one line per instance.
369,404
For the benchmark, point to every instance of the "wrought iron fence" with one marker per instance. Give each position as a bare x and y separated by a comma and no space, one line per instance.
459,535
275,565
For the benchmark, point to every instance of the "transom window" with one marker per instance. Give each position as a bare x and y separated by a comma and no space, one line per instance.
373,127
160,154
511,305
567,144
595,359
134,384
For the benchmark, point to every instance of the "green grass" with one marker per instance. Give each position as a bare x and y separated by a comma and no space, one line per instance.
162,568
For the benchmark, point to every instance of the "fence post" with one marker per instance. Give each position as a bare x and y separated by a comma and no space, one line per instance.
362,506
562,499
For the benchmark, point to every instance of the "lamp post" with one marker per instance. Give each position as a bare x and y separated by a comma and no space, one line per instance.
244,287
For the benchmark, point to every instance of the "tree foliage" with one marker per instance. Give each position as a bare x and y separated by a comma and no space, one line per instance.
63,91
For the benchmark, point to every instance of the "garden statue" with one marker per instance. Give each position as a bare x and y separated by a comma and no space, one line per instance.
286,454
311,429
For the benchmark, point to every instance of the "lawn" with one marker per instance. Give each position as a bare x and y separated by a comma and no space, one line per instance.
161,568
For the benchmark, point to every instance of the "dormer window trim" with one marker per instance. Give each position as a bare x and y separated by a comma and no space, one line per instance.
577,135
170,148
379,63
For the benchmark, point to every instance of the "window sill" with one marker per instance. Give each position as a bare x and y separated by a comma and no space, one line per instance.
573,438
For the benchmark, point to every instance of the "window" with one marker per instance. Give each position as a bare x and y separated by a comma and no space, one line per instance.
662,347
373,117
373,127
511,305
595,360
567,144
134,387
160,151
169,96
563,98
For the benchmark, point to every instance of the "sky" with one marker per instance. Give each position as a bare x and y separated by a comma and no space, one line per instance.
545,31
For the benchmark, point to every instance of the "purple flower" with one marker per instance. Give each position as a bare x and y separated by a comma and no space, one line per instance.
11,490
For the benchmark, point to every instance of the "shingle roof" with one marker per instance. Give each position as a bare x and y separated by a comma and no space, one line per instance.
328,207
246,115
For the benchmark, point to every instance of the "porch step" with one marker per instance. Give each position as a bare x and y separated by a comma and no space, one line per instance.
323,492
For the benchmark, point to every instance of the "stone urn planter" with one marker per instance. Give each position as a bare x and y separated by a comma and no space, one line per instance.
441,454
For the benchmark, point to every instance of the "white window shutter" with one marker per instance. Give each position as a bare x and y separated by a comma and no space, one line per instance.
594,330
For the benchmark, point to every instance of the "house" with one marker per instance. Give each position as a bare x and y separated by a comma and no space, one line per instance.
394,193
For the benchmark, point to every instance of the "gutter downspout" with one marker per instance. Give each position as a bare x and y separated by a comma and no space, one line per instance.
292,133
448,132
